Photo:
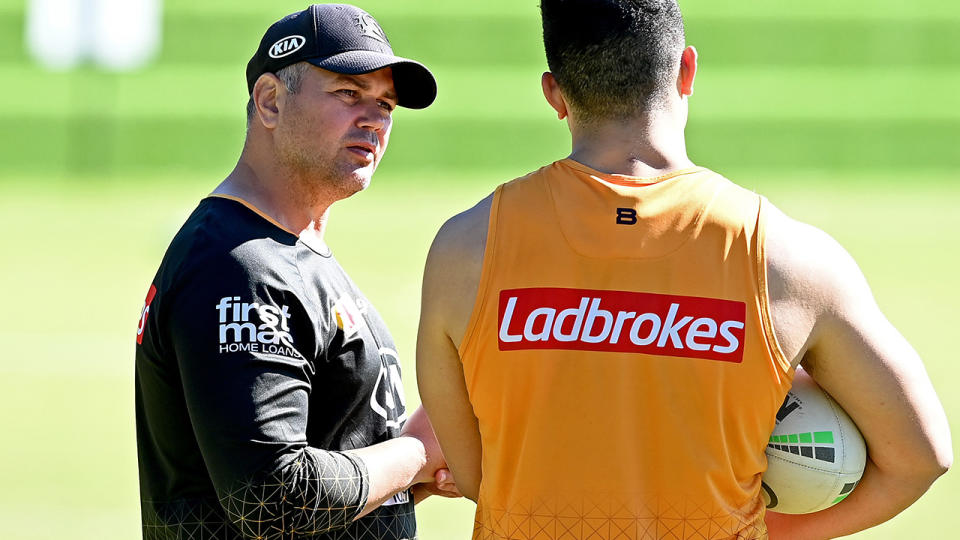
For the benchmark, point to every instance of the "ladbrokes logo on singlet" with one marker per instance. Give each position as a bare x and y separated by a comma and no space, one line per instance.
620,321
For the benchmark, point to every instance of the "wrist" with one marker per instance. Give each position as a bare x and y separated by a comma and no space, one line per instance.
416,453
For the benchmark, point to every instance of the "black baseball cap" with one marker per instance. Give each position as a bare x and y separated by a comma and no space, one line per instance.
343,39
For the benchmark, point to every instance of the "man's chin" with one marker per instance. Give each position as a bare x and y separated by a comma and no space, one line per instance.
357,180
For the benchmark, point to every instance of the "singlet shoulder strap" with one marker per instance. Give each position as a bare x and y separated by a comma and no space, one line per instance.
763,291
486,274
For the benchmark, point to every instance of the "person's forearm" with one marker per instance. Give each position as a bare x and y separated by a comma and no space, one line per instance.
316,491
879,496
392,466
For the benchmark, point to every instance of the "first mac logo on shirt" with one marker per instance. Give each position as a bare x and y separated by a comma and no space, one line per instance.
239,330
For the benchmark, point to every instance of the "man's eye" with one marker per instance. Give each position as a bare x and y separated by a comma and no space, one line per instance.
348,92
386,105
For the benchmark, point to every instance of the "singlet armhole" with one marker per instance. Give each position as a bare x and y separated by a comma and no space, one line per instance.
486,271
763,293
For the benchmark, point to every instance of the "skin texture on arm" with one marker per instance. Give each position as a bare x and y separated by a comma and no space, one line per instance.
827,320
412,459
450,282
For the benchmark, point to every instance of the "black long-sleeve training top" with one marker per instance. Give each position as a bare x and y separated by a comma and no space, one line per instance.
258,362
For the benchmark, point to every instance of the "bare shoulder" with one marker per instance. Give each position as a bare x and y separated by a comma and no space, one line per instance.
811,281
809,261
453,269
464,232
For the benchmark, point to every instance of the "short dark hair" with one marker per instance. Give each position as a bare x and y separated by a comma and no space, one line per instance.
613,58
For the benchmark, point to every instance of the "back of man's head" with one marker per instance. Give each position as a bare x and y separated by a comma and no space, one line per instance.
613,59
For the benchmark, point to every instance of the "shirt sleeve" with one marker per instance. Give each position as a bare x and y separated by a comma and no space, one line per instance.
245,341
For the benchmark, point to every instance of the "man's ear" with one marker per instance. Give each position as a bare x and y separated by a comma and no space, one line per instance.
265,97
551,91
688,71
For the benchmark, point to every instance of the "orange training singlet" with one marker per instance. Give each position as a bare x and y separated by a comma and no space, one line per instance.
621,360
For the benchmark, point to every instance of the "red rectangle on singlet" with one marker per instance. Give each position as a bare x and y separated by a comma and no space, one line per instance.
620,321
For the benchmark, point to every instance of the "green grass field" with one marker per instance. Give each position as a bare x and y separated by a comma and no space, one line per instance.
846,115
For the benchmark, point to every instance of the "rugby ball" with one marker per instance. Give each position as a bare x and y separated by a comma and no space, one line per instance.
815,455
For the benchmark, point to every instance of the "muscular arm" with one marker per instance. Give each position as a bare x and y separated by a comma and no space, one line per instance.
450,282
826,317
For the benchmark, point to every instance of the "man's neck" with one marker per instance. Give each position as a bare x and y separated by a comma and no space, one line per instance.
278,194
648,146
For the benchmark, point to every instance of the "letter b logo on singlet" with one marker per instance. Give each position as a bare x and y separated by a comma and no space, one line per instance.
626,216
621,321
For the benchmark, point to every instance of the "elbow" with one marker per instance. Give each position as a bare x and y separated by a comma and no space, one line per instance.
944,467
933,470
469,491
468,484
915,469
942,456
315,492
270,511
944,460
934,464
270,520
928,472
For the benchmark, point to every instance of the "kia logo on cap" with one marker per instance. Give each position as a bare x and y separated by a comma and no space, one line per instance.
287,46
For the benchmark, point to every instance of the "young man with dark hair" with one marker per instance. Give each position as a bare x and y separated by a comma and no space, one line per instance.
268,394
604,343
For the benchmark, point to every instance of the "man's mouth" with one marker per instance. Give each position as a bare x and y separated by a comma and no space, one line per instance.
364,148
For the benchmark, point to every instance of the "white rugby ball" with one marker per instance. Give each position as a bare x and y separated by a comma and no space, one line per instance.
815,455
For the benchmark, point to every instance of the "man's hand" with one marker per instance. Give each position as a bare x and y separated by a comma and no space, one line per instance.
443,485
412,460
434,477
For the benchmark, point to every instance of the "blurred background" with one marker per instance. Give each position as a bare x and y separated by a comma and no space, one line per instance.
845,114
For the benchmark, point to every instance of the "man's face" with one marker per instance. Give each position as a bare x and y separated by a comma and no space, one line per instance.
335,129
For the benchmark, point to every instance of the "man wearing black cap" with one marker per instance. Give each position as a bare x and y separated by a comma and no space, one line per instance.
268,393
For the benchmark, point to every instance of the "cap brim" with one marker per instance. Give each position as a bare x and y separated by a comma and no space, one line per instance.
416,87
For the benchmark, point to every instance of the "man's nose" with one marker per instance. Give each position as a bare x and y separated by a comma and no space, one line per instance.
373,117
